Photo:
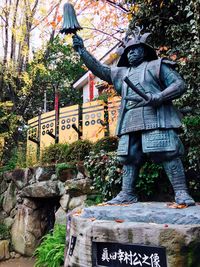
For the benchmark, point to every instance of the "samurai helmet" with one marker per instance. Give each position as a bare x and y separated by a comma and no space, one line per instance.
138,39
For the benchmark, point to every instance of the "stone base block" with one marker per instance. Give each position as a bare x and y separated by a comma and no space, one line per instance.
4,250
182,241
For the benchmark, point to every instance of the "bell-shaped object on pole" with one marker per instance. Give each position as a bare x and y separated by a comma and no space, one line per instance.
70,23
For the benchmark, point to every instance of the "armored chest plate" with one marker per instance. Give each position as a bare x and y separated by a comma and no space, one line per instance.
134,76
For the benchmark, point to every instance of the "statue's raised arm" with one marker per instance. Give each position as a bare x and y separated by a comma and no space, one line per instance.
97,68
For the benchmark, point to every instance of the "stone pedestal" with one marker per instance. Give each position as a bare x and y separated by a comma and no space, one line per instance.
152,224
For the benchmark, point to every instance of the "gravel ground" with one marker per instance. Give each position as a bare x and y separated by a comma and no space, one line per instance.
21,262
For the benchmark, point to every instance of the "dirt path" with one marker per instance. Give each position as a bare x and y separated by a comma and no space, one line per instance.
21,262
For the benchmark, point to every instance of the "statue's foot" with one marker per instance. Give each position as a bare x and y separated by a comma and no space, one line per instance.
123,198
182,197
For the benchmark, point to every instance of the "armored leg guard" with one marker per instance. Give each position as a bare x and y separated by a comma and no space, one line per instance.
127,196
176,175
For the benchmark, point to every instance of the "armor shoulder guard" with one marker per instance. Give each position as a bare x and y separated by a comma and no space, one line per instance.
169,62
155,65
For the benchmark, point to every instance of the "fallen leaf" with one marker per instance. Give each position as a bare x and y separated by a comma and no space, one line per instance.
176,206
92,219
102,204
77,213
119,221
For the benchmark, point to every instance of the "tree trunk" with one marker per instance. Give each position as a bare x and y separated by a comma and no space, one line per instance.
13,38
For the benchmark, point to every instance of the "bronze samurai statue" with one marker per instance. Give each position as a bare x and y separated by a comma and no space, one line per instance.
147,120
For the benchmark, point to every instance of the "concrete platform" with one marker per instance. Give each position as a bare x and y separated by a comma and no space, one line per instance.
151,224
148,212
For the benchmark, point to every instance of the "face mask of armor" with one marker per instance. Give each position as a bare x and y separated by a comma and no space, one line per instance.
136,56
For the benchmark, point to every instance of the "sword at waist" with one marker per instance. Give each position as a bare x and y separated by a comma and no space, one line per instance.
135,89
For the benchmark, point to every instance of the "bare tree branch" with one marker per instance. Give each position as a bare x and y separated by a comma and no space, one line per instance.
49,13
119,6
94,29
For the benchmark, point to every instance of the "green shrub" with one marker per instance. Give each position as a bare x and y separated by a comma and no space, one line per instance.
59,153
64,166
148,176
105,172
21,157
50,253
11,163
191,140
191,137
93,200
108,144
54,153
4,232
78,150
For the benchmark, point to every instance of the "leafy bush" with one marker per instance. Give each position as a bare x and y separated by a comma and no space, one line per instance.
78,150
58,153
108,144
21,157
93,200
191,137
64,166
149,174
105,171
50,253
54,153
4,232
11,163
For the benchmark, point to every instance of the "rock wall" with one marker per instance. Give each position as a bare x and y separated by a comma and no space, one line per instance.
32,200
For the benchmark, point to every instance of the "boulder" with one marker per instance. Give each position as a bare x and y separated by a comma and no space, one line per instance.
80,176
10,199
3,215
28,228
60,216
4,250
77,202
54,177
67,174
79,187
13,212
44,173
28,175
8,222
61,187
44,189
1,177
64,201
18,178
7,176
30,203
3,186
